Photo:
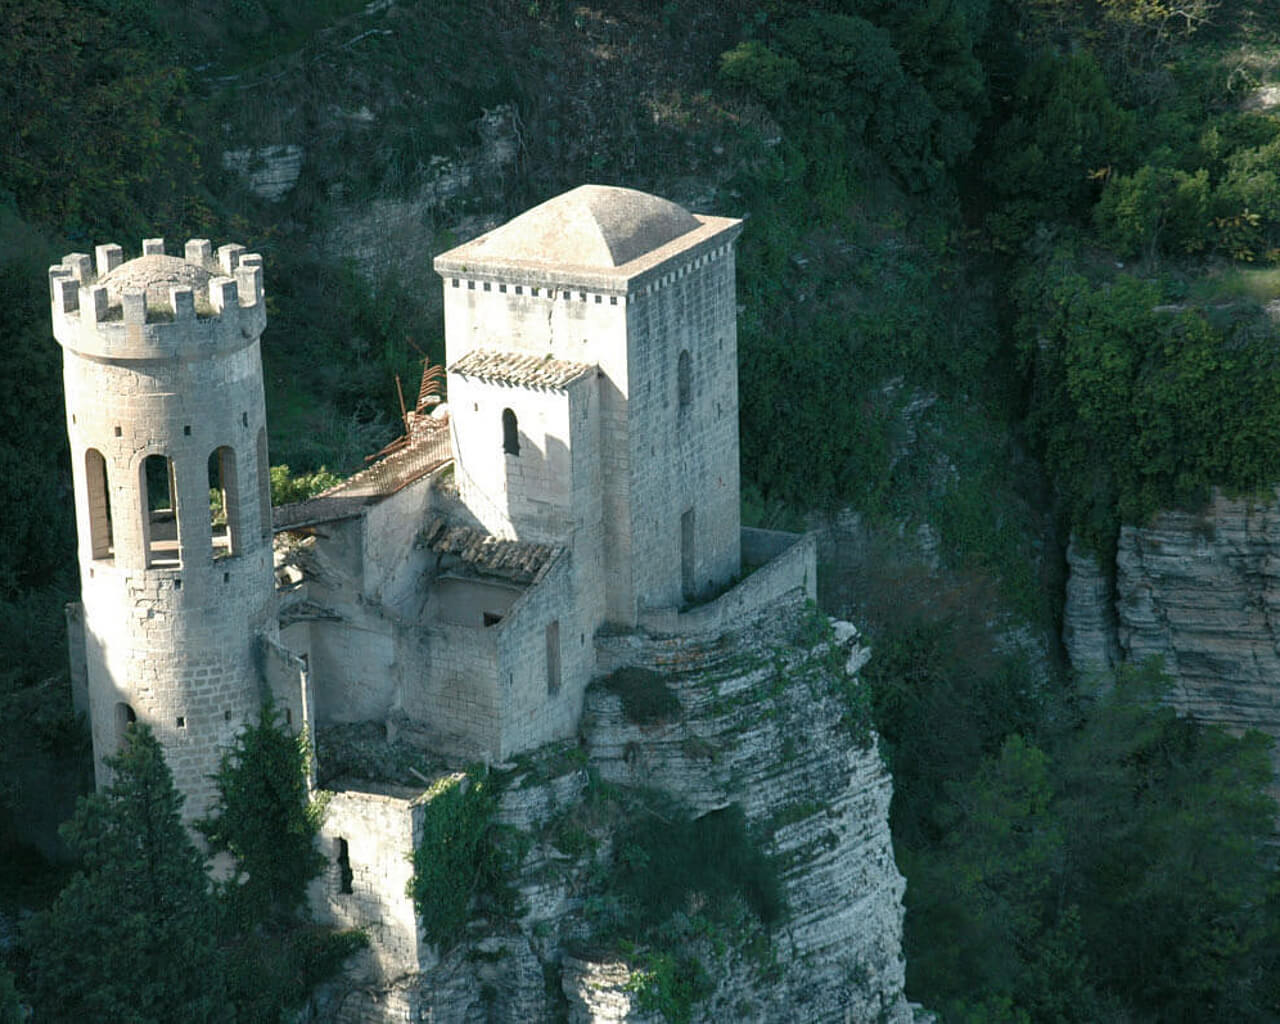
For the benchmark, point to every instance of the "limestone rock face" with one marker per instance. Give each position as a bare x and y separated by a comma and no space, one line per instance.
755,720
761,728
1202,592
1089,617
271,171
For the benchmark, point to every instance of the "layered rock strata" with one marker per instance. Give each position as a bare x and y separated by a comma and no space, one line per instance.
1200,591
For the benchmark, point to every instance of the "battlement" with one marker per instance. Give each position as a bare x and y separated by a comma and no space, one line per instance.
158,306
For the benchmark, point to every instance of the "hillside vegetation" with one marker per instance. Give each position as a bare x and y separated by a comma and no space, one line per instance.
1009,272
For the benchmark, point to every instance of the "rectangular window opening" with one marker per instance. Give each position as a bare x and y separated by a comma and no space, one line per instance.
553,658
345,874
688,583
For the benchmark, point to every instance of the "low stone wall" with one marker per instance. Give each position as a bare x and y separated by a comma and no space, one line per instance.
790,562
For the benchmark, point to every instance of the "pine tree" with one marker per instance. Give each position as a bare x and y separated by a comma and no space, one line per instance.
131,937
265,819
263,816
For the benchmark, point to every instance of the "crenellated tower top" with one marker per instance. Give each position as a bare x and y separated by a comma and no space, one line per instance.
158,306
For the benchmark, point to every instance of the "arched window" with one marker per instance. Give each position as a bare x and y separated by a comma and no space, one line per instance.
684,380
125,717
95,474
159,493
264,484
224,502
510,433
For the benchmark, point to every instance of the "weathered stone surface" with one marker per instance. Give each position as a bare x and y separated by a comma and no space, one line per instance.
1089,617
761,729
272,171
1202,592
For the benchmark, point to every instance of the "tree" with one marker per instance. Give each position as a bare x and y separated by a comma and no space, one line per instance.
131,938
265,818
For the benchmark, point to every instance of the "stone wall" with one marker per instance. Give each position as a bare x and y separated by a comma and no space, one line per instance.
791,566
541,703
527,495
366,886
683,434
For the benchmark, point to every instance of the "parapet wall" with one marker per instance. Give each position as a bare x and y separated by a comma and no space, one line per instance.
791,563
225,313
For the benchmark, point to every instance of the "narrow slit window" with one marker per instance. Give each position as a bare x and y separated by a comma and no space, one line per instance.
684,380
510,433
553,658
100,534
160,511
688,580
345,875
224,503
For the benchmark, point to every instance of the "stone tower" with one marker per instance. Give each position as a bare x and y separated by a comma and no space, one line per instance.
641,291
167,429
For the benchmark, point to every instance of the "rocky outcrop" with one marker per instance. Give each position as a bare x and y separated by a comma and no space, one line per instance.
755,719
1089,616
1201,591
762,727
271,172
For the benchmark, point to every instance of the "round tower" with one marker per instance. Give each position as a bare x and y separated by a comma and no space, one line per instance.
167,424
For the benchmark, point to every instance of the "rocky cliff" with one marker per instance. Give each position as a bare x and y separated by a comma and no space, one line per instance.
759,720
1202,592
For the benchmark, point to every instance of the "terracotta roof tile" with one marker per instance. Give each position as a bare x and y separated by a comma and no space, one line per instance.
519,369
516,560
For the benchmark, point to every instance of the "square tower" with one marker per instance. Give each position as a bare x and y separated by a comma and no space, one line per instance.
642,291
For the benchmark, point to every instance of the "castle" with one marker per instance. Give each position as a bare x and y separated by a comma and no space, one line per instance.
583,478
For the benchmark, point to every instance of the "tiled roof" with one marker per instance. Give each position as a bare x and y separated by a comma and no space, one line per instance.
428,447
516,560
520,369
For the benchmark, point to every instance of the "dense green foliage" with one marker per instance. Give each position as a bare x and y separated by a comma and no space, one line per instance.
264,818
141,934
1073,862
463,858
123,940
646,697
679,894
1139,407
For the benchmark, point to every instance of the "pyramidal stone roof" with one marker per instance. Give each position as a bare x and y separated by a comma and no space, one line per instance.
590,226
593,232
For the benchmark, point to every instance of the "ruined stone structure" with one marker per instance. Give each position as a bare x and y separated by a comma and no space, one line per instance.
458,595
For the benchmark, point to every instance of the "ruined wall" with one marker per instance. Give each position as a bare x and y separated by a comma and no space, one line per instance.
368,836
545,659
